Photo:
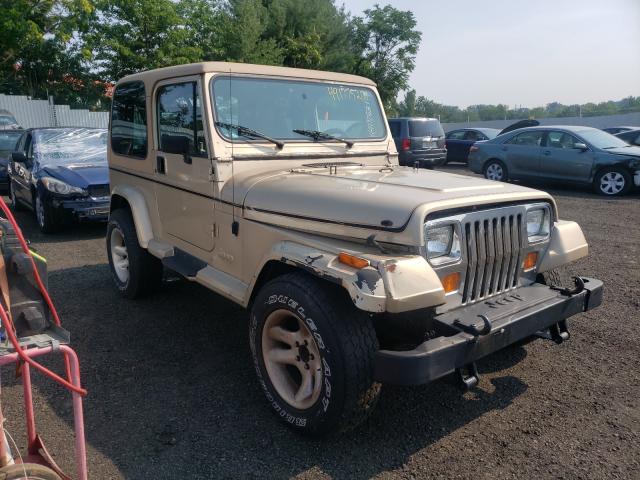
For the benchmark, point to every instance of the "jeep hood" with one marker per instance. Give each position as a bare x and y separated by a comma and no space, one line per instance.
367,197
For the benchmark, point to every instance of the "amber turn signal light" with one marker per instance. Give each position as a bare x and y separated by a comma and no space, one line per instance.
451,282
530,261
352,260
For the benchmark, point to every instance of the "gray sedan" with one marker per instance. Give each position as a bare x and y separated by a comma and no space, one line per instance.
580,155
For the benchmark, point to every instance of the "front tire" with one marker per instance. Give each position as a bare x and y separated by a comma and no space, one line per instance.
612,182
496,170
46,216
313,353
135,271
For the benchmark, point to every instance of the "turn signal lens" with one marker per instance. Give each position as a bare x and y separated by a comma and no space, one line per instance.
352,261
451,282
530,261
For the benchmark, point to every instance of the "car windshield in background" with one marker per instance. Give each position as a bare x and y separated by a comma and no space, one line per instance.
425,128
276,108
600,139
64,146
9,140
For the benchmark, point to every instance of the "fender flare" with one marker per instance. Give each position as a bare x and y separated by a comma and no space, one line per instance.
139,211
388,285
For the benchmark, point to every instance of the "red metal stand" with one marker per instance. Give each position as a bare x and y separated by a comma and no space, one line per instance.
37,453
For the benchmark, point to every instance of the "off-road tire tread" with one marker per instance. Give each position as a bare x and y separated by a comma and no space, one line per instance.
357,339
149,276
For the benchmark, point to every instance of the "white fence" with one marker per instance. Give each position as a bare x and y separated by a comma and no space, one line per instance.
597,122
44,113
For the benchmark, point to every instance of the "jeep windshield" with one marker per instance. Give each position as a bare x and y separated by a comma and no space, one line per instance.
294,110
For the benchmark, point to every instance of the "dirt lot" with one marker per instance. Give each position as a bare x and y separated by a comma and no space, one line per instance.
173,392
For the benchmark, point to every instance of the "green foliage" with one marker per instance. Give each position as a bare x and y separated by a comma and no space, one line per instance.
420,106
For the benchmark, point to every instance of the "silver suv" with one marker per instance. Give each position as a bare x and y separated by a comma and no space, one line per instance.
280,189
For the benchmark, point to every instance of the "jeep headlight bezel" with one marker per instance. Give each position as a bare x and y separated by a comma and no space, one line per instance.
538,223
442,242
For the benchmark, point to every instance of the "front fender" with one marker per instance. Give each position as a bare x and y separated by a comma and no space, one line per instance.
139,211
567,244
388,285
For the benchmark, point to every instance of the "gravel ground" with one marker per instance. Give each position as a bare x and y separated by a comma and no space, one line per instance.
172,393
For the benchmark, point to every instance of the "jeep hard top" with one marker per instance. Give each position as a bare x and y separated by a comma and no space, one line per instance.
280,189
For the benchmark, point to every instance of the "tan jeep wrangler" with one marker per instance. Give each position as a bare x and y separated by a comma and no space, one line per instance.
280,189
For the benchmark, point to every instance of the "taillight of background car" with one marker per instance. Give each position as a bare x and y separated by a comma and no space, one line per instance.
406,144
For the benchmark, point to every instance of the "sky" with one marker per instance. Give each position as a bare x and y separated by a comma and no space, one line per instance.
523,52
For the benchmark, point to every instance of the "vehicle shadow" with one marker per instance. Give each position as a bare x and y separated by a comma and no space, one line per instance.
172,391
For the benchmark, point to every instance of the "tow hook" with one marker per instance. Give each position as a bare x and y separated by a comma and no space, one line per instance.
558,332
468,376
579,286
473,329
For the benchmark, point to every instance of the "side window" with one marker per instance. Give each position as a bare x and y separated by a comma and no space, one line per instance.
129,120
531,139
180,115
395,129
560,140
472,135
459,135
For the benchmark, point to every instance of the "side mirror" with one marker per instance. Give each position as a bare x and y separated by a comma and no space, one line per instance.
19,157
177,144
581,146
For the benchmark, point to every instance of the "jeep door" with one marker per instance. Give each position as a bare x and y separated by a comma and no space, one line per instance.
562,160
184,189
523,153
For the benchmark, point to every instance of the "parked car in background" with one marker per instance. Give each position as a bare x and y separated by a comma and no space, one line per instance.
580,155
8,121
8,141
632,137
614,130
62,175
458,142
419,140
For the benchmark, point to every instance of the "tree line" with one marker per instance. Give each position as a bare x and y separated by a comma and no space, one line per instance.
74,49
413,105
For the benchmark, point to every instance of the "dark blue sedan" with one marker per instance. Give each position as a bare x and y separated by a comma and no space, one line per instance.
459,141
62,175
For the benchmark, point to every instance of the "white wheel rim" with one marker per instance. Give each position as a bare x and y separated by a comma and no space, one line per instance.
494,172
612,183
119,255
39,211
292,359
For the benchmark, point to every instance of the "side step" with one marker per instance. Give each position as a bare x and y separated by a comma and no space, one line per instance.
183,263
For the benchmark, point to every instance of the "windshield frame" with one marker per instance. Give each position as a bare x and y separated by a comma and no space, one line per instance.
302,140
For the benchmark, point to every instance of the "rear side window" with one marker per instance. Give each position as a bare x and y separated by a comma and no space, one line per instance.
425,128
395,129
180,115
129,120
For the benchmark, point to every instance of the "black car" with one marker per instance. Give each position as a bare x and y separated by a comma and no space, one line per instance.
419,140
459,141
62,175
8,141
615,130
632,137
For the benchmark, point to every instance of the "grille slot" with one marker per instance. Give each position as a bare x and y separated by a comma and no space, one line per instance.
99,190
493,248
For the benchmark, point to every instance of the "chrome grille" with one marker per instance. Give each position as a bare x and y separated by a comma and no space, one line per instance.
493,248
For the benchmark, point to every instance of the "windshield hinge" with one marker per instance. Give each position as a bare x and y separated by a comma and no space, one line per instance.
212,173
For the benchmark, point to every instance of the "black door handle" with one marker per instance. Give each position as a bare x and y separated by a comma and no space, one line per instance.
547,152
161,164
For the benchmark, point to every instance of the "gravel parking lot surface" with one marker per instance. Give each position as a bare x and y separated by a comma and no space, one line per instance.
172,392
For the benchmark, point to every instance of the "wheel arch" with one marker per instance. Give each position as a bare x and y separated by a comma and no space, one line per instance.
598,168
128,197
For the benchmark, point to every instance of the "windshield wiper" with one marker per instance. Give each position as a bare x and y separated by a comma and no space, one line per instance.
317,135
248,132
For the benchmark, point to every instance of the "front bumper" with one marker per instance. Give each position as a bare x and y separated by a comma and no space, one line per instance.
84,209
513,316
